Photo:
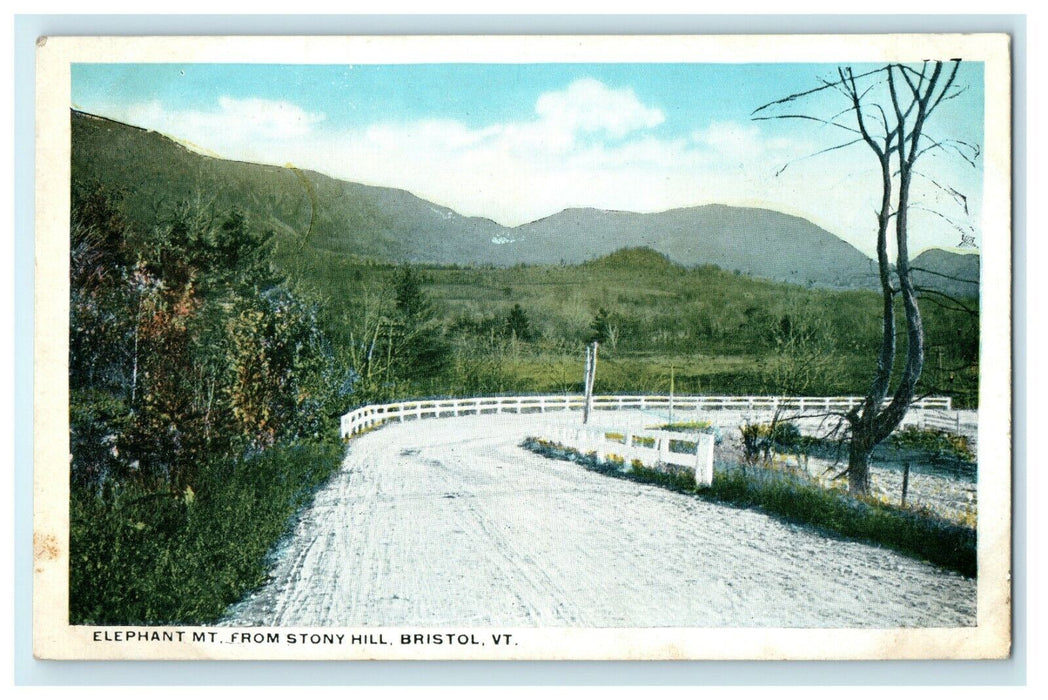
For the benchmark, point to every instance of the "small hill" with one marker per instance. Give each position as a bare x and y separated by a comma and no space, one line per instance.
951,273
327,214
642,258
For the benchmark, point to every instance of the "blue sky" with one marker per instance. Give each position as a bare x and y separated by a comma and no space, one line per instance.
476,94
519,142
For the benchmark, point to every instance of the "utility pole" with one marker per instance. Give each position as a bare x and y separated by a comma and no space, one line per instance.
591,373
671,393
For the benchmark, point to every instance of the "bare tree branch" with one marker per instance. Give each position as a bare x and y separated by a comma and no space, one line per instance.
795,96
946,86
817,153
932,296
953,145
944,275
958,197
808,117
963,229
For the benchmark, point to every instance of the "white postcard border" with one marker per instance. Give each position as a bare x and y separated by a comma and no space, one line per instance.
54,638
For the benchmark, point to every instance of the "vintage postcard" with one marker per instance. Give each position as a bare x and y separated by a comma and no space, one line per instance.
536,347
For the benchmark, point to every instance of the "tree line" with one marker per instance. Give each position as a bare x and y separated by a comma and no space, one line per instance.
185,348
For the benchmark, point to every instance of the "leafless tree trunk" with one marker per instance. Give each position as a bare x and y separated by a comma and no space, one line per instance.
890,106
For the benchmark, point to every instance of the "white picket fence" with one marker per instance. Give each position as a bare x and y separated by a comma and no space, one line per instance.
367,417
652,448
955,422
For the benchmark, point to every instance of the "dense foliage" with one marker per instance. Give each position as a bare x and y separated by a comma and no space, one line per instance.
189,362
523,329
149,558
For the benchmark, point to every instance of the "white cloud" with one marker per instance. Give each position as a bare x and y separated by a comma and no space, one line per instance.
266,118
232,121
590,106
742,141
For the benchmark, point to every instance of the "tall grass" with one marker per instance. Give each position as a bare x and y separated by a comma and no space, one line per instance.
797,500
163,558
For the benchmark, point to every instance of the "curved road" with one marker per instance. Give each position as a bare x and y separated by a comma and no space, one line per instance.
448,521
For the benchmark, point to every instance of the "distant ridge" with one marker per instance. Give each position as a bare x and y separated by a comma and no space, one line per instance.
947,272
395,225
757,242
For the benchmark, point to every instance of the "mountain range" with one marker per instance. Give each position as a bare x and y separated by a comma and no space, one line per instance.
331,215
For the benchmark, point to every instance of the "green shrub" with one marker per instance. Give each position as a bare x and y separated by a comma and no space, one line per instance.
798,500
786,435
183,558
685,426
936,442
759,440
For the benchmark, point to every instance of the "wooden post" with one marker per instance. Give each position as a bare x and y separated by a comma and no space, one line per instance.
905,482
704,460
671,394
591,373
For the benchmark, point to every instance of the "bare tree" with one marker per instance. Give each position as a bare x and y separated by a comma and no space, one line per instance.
888,109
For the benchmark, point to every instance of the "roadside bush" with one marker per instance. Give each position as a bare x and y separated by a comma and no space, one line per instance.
935,442
685,426
760,439
184,557
797,500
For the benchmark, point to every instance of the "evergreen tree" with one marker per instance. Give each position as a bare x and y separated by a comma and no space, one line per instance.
518,325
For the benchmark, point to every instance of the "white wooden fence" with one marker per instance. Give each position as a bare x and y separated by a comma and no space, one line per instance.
367,417
656,449
938,420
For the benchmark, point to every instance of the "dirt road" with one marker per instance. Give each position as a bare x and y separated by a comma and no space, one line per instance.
448,521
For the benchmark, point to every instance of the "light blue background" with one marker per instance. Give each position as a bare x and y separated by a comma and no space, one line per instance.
29,671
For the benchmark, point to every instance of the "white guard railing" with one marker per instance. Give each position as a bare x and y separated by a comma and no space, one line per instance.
370,416
938,420
652,448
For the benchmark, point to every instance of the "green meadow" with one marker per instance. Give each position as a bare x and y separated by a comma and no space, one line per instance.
705,330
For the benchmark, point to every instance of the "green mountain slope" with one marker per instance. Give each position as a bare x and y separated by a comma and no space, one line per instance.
314,215
957,275
327,214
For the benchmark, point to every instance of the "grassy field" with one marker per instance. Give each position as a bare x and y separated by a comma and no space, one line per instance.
710,330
